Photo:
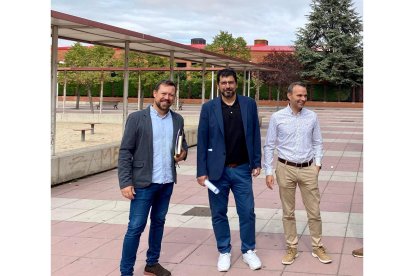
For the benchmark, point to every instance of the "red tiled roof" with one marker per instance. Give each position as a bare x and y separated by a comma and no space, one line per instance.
257,48
267,48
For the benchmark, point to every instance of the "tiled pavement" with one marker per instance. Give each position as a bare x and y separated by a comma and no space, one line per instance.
89,217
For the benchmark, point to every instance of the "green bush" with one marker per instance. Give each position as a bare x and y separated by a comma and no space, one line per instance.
115,88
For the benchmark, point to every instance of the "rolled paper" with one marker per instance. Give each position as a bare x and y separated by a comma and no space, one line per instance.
211,186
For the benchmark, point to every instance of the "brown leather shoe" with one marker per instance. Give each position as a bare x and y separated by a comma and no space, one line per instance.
320,253
156,270
291,255
359,253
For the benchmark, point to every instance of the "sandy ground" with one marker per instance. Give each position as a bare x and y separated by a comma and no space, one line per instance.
68,139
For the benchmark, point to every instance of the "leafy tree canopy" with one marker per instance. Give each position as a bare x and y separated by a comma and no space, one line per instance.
330,46
287,65
85,56
225,43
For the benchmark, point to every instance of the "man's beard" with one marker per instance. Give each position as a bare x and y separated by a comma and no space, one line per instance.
168,103
228,93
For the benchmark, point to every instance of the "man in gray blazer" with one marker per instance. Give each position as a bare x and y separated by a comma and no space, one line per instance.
146,172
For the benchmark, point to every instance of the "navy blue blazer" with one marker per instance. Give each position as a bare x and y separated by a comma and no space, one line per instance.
211,148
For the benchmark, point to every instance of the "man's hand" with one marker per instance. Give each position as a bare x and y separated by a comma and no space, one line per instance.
181,156
318,168
128,192
270,181
201,180
256,172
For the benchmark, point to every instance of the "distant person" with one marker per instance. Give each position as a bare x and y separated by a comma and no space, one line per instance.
294,131
228,154
359,253
146,171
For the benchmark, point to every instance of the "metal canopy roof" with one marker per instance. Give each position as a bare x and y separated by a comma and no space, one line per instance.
83,30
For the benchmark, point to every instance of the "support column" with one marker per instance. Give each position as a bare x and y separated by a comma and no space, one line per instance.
140,98
177,93
172,65
244,81
203,83
64,92
257,95
101,93
212,83
53,87
248,85
126,84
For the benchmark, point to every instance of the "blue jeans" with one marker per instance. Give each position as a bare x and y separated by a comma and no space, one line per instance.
239,181
155,197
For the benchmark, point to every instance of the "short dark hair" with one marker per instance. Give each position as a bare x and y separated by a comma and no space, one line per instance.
165,82
293,84
226,73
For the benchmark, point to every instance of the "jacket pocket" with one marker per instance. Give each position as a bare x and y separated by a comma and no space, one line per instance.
138,164
137,171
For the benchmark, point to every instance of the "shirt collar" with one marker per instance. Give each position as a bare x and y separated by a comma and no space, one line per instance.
291,111
235,102
155,112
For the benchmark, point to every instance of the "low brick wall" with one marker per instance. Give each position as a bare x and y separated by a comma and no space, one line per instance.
75,164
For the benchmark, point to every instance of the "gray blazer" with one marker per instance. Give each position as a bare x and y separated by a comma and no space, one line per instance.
135,161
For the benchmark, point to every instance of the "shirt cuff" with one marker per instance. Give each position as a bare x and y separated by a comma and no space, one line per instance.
269,171
318,162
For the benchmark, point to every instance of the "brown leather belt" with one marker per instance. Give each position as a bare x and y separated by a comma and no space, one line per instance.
303,165
232,165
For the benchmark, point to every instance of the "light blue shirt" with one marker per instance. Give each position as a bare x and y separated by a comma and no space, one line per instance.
162,133
297,138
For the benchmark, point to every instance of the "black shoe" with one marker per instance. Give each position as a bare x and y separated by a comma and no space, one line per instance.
156,270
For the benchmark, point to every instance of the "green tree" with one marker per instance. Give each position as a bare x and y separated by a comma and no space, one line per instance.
330,46
288,70
85,56
148,78
226,44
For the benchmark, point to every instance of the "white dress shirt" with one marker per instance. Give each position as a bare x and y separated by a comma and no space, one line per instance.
297,138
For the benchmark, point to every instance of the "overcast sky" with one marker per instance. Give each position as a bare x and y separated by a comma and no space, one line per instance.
180,20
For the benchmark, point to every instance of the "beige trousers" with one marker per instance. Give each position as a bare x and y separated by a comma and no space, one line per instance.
287,178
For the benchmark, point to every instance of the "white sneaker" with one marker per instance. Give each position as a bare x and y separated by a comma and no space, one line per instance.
252,260
223,263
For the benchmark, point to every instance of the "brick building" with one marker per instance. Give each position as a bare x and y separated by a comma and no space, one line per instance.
257,51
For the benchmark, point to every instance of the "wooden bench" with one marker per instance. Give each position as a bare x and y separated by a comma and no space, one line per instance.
93,127
113,104
82,130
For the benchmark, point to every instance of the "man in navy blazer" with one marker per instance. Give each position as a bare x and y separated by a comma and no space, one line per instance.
228,154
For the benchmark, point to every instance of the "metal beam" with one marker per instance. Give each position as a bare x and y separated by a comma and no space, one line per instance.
54,86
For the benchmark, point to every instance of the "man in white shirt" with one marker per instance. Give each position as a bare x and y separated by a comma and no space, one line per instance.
294,131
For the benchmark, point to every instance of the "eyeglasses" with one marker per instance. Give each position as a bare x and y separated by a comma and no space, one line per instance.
227,82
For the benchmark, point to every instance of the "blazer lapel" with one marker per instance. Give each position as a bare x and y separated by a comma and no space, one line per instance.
219,114
147,116
243,110
175,126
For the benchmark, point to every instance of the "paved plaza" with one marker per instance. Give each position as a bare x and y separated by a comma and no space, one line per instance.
89,216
